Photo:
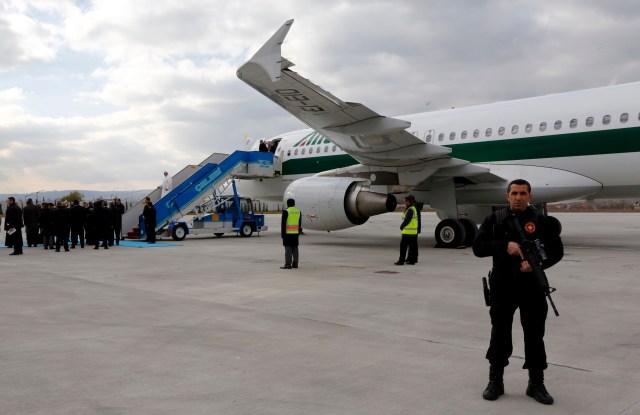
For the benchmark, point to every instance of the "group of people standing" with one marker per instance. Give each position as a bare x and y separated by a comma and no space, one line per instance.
53,226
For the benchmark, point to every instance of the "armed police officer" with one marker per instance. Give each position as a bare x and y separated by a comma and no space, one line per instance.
513,285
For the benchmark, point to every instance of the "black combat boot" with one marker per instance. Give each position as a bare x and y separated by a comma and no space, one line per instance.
536,388
495,388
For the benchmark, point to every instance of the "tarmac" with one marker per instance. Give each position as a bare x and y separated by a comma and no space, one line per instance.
214,326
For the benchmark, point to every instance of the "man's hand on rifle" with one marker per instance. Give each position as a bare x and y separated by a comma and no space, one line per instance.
513,248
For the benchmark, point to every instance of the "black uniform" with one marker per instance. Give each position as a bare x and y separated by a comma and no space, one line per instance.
512,289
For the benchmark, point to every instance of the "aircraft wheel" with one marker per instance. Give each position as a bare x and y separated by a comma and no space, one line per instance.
178,233
218,234
450,234
246,230
470,230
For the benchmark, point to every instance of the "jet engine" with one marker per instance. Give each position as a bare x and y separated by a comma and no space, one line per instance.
333,203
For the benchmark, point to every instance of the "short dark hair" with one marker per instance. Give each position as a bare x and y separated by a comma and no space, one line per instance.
291,202
410,198
519,182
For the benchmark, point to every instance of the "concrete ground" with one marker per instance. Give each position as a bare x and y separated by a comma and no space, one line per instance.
213,326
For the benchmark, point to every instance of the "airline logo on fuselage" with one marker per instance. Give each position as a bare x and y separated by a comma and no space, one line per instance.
311,139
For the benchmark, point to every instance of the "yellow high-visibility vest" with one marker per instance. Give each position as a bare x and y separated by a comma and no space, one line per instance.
412,227
292,227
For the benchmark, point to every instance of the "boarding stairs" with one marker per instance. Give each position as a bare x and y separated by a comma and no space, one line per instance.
198,185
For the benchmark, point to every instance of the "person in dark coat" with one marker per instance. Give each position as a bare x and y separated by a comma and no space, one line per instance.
78,220
149,214
13,225
31,215
46,225
116,214
61,226
102,224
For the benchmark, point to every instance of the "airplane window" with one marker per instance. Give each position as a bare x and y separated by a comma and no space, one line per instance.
311,150
528,128
334,148
543,126
428,137
514,129
624,117
440,136
501,131
452,136
557,125
589,121
573,123
606,119
476,133
488,132
288,153
295,153
303,150
463,135
326,149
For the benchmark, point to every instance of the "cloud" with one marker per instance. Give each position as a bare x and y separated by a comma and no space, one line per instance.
110,93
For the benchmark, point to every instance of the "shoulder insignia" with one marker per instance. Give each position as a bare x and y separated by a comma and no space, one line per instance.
530,227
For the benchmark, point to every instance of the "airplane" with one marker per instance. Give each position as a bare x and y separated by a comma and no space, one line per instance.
352,162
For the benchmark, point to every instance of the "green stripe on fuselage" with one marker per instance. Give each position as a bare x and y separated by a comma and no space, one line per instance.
623,140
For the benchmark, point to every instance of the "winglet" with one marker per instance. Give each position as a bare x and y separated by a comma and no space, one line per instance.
269,57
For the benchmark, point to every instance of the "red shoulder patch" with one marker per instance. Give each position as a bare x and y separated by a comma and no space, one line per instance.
530,227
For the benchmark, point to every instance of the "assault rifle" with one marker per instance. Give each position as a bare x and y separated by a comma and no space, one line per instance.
534,254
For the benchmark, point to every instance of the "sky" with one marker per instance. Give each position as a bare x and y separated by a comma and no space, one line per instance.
108,94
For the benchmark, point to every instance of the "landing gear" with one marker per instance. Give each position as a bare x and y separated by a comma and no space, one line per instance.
470,230
450,233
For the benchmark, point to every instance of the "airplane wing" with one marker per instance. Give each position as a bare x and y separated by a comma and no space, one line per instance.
369,137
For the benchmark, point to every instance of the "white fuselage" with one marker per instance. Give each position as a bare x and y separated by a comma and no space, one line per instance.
591,136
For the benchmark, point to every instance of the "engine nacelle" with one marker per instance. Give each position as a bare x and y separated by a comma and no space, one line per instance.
333,203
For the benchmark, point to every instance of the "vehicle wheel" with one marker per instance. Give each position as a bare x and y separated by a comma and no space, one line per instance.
246,230
178,233
470,231
449,233
218,234
556,223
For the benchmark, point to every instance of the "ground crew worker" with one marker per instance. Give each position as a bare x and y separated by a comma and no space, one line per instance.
513,285
409,229
290,229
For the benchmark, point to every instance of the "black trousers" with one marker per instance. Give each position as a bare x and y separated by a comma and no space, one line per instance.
506,297
33,236
409,242
150,230
62,238
77,232
15,241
